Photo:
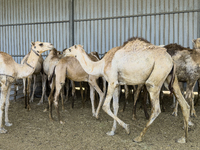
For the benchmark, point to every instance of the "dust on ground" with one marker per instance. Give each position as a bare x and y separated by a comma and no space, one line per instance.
33,129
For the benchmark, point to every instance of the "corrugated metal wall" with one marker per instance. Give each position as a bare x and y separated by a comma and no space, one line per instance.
23,21
103,24
99,25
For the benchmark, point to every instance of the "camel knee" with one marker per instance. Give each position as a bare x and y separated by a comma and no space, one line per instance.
55,103
105,107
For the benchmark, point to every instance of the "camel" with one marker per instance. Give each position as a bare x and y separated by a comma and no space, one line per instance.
10,71
37,71
187,64
48,65
136,62
70,67
197,46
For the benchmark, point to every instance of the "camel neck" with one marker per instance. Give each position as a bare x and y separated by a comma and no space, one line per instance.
28,68
91,67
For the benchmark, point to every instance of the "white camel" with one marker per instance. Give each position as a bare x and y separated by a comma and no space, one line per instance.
10,71
38,70
136,62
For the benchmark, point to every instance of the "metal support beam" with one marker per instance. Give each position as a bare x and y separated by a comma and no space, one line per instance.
71,23
198,22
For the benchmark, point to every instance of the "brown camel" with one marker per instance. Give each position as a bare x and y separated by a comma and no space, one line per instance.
29,79
70,67
197,46
187,64
10,71
136,62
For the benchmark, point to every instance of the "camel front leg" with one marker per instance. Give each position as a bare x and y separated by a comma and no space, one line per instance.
81,90
190,97
4,93
106,107
28,91
136,94
92,99
7,122
93,83
67,89
126,97
73,93
174,113
62,98
50,99
115,108
44,79
34,88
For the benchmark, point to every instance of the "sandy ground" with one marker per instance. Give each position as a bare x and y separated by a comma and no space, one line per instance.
33,129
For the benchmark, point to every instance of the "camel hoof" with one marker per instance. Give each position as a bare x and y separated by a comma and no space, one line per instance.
8,124
190,123
45,110
193,114
39,103
174,114
111,133
137,139
2,130
122,110
134,118
172,106
61,122
127,128
181,140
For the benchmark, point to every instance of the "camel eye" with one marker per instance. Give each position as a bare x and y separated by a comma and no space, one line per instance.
41,44
69,50
35,47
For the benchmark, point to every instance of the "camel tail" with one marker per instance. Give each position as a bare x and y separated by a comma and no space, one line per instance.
172,73
51,77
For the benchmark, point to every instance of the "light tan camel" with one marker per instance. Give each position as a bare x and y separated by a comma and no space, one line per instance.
37,71
10,71
136,62
70,67
187,64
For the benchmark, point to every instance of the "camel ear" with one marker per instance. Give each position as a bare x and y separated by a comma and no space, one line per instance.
75,46
194,41
32,43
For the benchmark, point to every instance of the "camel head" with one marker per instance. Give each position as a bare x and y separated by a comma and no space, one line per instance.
40,47
196,43
73,51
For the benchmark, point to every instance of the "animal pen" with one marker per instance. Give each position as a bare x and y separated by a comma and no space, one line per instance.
98,25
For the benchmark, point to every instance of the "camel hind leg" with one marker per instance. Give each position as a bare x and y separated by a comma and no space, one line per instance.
154,92
184,107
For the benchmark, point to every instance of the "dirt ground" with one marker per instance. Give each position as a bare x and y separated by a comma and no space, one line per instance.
33,129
